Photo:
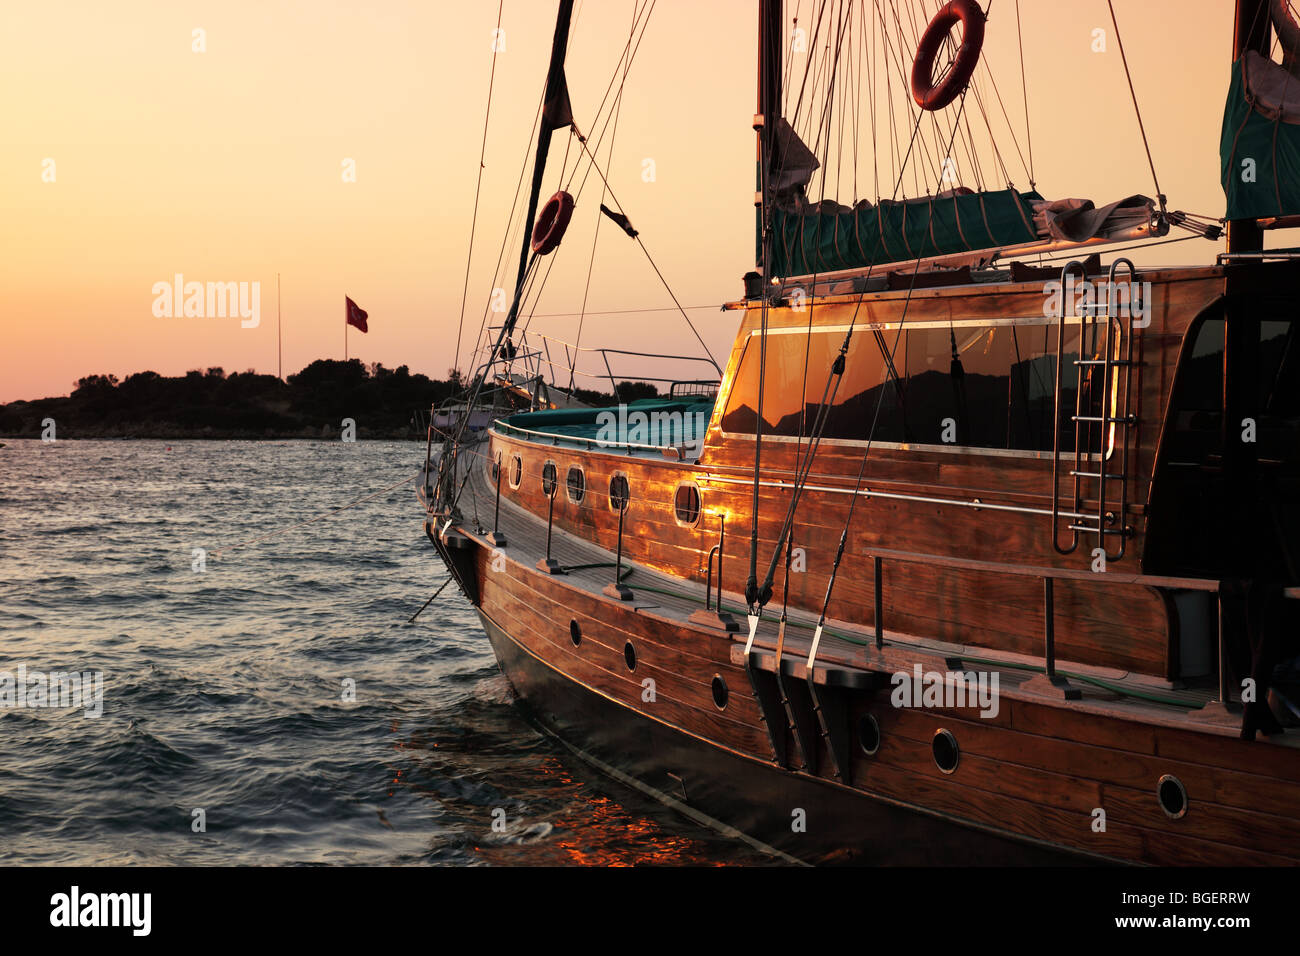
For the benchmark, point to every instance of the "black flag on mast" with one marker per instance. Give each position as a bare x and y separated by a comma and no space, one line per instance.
557,113
619,220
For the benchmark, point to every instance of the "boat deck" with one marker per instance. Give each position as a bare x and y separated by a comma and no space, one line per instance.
848,655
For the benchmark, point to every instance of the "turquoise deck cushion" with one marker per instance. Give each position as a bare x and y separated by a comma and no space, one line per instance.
651,421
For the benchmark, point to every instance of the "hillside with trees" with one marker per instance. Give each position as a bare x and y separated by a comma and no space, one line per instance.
383,402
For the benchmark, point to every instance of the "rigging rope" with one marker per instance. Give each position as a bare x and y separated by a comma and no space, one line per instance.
651,260
647,8
1160,196
1024,88
478,186
505,239
801,477
591,264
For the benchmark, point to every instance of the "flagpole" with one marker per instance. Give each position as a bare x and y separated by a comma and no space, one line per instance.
279,338
345,328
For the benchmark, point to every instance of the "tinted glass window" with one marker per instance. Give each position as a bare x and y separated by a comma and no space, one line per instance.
976,386
1279,398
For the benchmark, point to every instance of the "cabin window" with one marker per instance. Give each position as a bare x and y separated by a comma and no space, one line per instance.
686,503
1279,391
576,484
549,478
969,385
619,492
493,469
1196,408
516,471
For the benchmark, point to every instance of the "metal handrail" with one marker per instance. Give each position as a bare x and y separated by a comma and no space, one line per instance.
976,503
1056,418
1126,417
1112,411
557,438
589,348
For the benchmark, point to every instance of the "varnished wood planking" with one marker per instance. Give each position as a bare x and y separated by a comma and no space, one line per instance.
663,544
1017,784
1220,798
682,689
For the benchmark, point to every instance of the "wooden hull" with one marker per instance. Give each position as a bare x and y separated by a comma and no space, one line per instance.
729,791
1034,775
1132,771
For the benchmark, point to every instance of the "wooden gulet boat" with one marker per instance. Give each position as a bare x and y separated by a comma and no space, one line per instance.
1031,572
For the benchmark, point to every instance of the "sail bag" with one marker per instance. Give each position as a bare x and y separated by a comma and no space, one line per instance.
1260,145
827,237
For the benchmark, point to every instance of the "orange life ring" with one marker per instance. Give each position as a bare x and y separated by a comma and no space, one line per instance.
935,96
551,223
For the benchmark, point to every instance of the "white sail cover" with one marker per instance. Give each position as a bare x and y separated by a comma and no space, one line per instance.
1078,220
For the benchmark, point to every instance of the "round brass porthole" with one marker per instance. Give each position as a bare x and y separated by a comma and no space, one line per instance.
516,471
945,750
575,633
620,493
1172,796
550,479
575,483
686,504
868,734
629,656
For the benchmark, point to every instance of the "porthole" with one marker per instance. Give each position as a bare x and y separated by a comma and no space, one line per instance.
629,656
549,479
868,734
575,633
516,473
494,469
686,504
720,692
1172,796
575,484
946,754
619,492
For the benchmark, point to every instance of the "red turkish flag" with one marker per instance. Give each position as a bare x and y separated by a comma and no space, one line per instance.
356,316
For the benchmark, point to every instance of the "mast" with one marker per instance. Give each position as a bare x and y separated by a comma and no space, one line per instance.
555,114
770,32
769,110
1250,31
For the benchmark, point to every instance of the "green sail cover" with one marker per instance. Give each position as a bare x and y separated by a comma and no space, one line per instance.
852,238
1259,153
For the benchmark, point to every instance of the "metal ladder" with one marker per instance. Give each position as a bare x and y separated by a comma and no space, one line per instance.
1095,425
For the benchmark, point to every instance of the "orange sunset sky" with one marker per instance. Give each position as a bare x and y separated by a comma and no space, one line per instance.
225,165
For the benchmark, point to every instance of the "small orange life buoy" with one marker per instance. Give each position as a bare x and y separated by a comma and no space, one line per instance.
551,223
928,94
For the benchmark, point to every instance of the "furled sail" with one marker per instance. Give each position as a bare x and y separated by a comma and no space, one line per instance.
1260,145
827,237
